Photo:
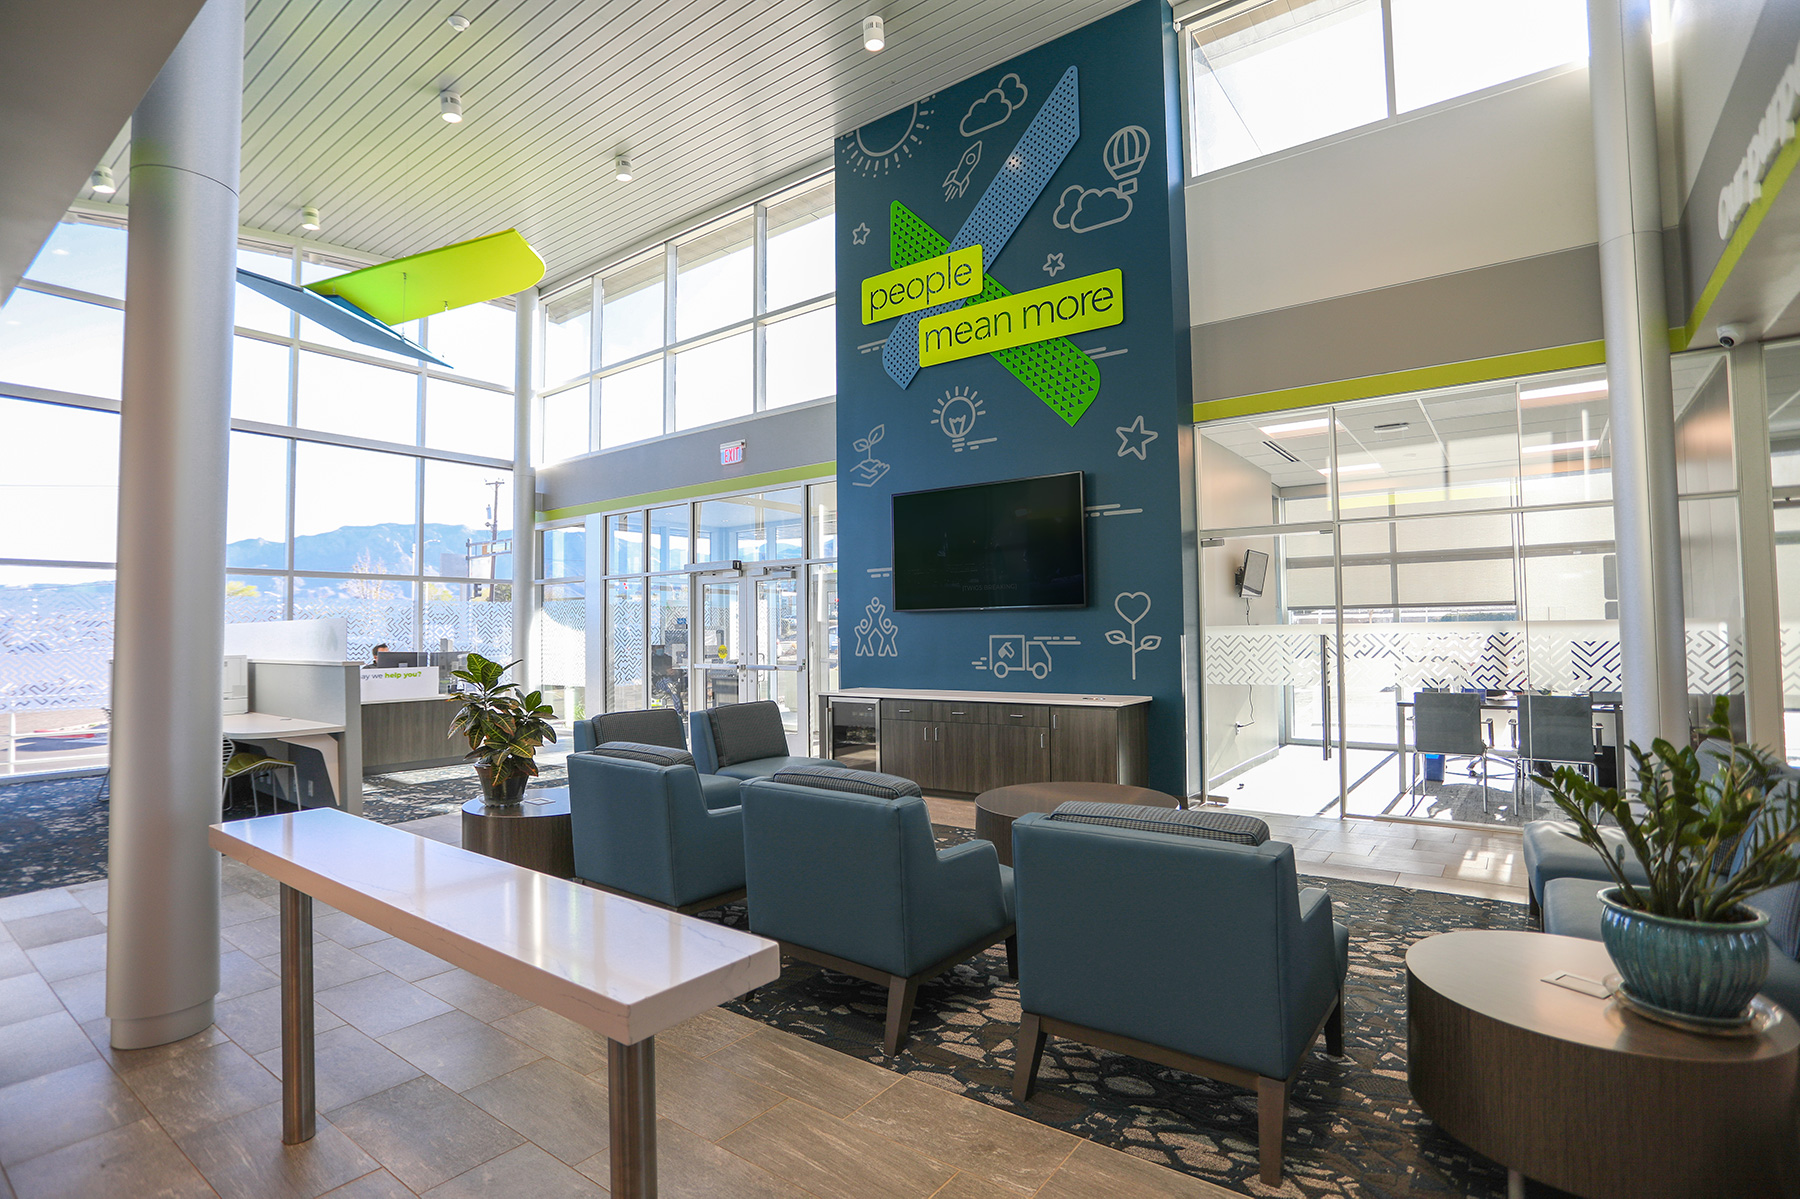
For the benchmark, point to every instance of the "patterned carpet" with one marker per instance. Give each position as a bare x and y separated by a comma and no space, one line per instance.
1353,1129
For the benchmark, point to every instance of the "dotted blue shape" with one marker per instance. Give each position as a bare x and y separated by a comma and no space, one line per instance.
1022,177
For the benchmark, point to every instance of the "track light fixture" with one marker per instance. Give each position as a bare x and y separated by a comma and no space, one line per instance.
309,219
874,37
622,169
450,105
102,181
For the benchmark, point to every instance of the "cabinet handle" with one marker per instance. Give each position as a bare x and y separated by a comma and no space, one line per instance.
1053,720
959,713
902,711
939,731
1017,715
1043,740
924,732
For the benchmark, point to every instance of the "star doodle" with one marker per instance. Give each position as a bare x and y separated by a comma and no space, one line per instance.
1052,264
860,234
1135,439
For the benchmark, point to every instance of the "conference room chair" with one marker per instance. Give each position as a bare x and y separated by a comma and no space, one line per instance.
642,827
1448,724
844,872
1143,933
744,741
1554,730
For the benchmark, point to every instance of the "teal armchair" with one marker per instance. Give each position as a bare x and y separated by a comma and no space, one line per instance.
1200,954
852,880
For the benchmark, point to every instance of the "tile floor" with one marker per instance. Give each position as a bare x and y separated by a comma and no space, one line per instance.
433,1082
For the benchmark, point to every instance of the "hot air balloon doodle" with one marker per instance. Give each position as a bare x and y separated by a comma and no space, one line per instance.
1084,209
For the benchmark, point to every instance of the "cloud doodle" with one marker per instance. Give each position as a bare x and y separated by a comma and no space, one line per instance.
1084,209
993,109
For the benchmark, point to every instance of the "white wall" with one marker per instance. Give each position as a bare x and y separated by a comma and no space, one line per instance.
1506,176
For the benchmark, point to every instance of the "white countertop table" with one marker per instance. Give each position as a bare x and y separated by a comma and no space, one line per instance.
623,968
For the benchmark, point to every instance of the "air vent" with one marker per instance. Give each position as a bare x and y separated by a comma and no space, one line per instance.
1398,426
1275,449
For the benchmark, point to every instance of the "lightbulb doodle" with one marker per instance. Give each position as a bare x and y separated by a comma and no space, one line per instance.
1084,209
883,146
869,471
1017,653
876,635
956,415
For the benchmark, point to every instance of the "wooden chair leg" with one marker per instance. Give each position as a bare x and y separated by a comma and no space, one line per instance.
1029,1049
1334,1029
1012,956
1271,1127
901,994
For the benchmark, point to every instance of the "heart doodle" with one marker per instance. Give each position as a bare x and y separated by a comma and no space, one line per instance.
1126,601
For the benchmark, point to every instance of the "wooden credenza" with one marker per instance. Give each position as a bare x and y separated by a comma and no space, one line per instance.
967,742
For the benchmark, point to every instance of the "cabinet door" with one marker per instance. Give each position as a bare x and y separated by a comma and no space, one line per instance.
966,757
1020,755
1084,745
908,749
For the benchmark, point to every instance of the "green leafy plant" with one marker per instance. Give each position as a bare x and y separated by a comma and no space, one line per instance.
1705,844
504,726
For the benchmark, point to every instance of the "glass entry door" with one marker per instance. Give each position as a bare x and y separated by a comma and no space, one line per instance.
749,643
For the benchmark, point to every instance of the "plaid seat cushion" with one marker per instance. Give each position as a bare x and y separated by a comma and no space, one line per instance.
637,751
746,732
1214,826
842,778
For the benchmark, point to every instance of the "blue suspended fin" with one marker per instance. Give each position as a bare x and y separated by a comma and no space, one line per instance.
337,314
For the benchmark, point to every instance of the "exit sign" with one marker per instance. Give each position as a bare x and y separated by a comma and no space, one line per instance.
731,453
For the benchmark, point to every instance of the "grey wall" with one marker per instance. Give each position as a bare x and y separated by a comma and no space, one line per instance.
804,435
1233,493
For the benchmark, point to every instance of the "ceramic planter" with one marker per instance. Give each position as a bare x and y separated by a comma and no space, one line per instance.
507,791
1691,968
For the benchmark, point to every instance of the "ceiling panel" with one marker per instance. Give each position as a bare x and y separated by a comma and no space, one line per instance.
712,103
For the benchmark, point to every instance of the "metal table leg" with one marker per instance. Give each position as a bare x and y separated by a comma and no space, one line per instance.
631,1116
298,1115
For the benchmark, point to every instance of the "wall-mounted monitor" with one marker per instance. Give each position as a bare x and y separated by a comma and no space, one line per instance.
1252,573
1020,543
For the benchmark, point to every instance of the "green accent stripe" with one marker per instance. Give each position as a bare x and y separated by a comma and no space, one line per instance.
1777,177
1424,378
772,478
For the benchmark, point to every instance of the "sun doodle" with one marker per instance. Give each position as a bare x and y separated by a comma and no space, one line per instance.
883,145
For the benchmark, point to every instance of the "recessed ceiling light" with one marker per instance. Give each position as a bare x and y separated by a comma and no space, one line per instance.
1353,468
457,22
1557,447
102,181
1295,427
622,169
1592,387
450,105
874,35
309,219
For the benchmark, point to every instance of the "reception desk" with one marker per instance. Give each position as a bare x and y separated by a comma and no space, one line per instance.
409,734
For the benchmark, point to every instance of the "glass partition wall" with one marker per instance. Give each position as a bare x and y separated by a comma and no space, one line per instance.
1434,563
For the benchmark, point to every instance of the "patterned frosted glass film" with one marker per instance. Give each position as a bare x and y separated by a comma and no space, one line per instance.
625,645
374,611
562,649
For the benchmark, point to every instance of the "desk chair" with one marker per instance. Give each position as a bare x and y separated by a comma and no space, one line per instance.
236,762
1558,729
1449,723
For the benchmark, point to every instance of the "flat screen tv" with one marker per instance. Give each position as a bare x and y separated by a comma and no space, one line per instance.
1021,543
1252,573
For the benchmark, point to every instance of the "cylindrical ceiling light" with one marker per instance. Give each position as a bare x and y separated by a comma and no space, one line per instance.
450,105
622,169
874,37
102,181
309,219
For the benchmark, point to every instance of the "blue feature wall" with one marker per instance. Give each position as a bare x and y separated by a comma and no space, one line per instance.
1119,106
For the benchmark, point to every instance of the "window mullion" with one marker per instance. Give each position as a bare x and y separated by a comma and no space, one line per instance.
1387,55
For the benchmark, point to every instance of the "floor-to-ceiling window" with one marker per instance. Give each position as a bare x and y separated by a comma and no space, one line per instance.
698,603
1450,542
362,486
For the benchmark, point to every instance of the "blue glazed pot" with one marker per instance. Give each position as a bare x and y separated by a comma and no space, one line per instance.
1711,971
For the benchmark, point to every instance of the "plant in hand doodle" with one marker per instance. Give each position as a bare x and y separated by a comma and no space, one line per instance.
870,468
1125,604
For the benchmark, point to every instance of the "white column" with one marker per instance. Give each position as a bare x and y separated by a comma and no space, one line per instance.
1763,715
524,538
162,963
1646,515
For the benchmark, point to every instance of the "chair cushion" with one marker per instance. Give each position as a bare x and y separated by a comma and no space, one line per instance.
1553,851
1782,906
648,726
637,751
717,791
745,732
762,768
842,778
1214,826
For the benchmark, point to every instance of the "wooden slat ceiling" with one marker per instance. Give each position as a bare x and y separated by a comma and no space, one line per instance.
712,103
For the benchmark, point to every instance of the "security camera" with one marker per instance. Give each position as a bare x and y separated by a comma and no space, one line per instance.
1730,335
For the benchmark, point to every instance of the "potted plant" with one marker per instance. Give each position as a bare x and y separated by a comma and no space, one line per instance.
1686,944
504,728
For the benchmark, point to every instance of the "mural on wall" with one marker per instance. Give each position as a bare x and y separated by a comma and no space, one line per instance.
1087,127
956,415
1132,607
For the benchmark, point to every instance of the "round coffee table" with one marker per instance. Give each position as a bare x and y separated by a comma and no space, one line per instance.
996,810
1571,1090
533,835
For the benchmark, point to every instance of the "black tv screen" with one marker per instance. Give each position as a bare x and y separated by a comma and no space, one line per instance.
1021,543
